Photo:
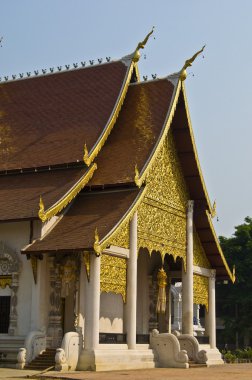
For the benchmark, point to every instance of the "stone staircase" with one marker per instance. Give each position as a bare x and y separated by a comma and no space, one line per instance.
110,357
43,361
9,346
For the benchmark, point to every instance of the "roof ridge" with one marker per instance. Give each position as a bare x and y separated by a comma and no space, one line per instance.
58,70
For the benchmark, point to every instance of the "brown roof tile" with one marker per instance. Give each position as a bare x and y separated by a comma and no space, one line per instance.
135,133
47,120
20,193
101,210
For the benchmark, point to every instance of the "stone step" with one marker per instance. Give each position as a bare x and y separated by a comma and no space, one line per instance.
45,355
44,362
193,364
38,368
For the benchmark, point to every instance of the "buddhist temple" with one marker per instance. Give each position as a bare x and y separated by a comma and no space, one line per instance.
108,254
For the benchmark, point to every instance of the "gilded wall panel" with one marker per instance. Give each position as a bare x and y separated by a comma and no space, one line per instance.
113,275
162,214
5,281
199,255
165,179
200,290
121,238
161,230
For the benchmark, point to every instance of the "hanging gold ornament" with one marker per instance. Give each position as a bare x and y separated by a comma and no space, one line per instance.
162,282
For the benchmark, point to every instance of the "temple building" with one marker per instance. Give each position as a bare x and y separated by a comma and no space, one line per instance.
107,247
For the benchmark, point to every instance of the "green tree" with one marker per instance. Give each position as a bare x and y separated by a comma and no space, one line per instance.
236,299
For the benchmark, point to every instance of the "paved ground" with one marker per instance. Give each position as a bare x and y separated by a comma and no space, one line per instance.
225,372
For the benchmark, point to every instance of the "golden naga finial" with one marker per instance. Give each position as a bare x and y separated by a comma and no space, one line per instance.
41,212
137,175
86,158
188,63
97,246
213,211
141,45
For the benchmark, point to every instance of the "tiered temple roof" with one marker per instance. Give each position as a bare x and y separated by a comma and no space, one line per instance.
46,122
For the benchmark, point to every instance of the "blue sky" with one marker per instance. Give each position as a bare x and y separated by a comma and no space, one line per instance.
41,34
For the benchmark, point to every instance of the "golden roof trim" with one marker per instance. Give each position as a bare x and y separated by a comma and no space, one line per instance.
141,177
210,207
100,245
231,275
67,198
90,156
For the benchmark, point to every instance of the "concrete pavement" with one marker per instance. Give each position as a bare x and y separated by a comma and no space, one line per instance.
222,372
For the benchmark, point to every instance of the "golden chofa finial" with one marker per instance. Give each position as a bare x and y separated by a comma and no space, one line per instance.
86,158
41,212
97,246
233,273
213,211
141,45
188,63
137,176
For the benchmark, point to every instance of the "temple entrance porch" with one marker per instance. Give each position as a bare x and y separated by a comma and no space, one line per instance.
100,307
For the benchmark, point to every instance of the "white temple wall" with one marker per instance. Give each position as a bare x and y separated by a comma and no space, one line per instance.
111,313
16,236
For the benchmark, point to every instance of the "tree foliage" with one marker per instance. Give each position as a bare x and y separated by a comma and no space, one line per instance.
236,298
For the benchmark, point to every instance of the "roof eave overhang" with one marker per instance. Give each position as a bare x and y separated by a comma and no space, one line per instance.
230,275
66,198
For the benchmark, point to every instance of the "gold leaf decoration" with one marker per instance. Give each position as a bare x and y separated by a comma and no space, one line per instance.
162,214
5,280
199,255
200,290
113,275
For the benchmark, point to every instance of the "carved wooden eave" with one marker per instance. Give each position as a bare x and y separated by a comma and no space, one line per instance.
230,274
210,207
101,244
67,198
131,62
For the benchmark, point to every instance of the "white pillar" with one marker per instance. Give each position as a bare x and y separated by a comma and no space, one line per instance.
211,311
91,336
187,277
131,306
82,291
